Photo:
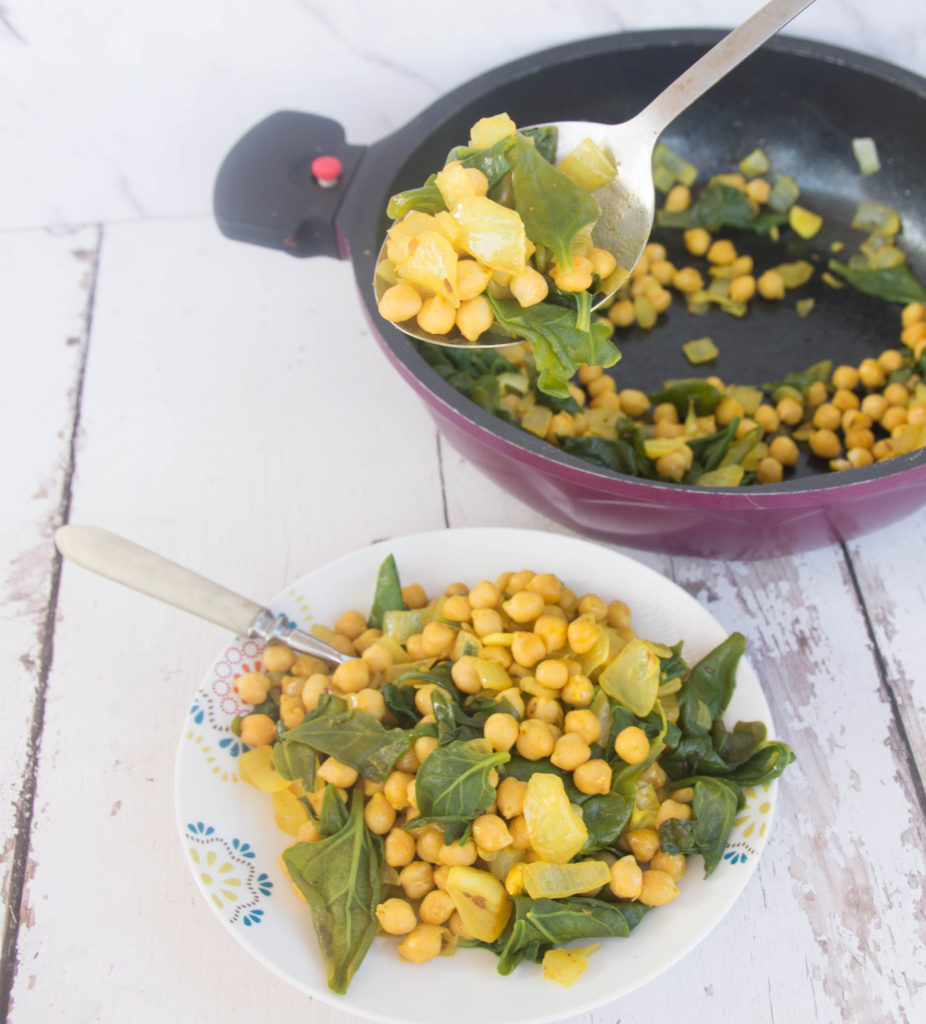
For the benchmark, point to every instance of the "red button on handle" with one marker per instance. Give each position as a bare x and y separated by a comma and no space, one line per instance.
327,170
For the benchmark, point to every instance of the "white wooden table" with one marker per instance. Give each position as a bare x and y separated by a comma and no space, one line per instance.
176,388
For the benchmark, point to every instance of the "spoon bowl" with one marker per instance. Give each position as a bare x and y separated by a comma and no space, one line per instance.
628,201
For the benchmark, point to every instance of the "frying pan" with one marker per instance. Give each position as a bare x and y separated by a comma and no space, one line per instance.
801,101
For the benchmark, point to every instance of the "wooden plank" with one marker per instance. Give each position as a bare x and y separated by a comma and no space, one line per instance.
47,283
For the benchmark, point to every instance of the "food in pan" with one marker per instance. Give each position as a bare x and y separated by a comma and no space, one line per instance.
504,765
500,239
705,430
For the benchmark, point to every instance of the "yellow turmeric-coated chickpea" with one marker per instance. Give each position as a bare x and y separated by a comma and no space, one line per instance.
501,730
675,464
860,456
529,287
399,303
670,808
588,372
664,271
414,596
409,764
654,251
472,279
570,751
436,907
913,312
845,377
632,745
379,814
697,241
727,410
351,676
313,688
437,315
602,261
665,412
278,658
855,419
396,916
860,438
678,198
378,657
490,832
870,373
396,789
913,335
399,849
622,313
424,746
916,414
436,637
578,279
897,393
487,621
626,880
785,450
252,687
258,730
790,411
688,280
458,854
742,288
457,608
292,711
673,864
552,673
338,774
520,835
535,739
767,418
657,889
465,674
771,285
827,415
485,595
844,400
758,190
417,878
721,253
429,843
769,471
578,691
545,583
584,723
474,317
593,777
527,649
875,406
634,403
894,416
509,797
524,606
582,635
825,444
815,393
422,944
643,843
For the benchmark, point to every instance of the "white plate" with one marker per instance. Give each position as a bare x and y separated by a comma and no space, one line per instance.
233,846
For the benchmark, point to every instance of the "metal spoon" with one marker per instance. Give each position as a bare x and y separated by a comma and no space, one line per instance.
628,202
123,562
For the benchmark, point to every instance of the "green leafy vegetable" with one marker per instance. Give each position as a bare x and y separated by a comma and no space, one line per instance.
340,879
707,690
893,284
554,208
352,736
713,809
388,594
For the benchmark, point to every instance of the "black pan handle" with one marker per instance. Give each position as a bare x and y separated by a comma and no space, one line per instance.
271,189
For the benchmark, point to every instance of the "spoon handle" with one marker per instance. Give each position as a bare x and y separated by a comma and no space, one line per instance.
133,566
718,62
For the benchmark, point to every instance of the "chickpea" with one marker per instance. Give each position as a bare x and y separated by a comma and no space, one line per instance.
845,400
784,450
678,198
454,854
593,776
422,944
585,724
874,406
643,843
582,635
871,374
258,730
527,649
670,808
292,711
400,303
896,393
578,279
742,288
845,377
570,751
529,287
697,241
414,596
252,687
602,261
825,444
424,746
436,637
509,797
396,789
657,889
417,879
673,864
501,730
472,279
721,253
474,317
338,774
790,411
626,878
524,606
351,676
535,740
769,471
771,285
490,832
520,837
278,658
632,745
758,190
396,916
894,416
622,313
436,907
767,418
485,595
399,848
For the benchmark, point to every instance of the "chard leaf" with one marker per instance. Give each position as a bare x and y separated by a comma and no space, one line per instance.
559,347
352,736
388,594
893,284
713,809
554,208
340,879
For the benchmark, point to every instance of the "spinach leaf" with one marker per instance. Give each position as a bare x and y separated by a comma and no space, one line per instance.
388,594
893,284
559,347
400,700
721,205
709,450
738,746
694,755
682,393
452,785
539,925
443,709
295,760
353,736
713,809
617,455
333,815
707,690
605,817
766,764
426,198
554,208
340,879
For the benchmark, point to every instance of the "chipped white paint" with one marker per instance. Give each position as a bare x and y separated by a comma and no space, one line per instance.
212,430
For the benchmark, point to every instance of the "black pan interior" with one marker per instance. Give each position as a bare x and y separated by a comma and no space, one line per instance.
803,103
